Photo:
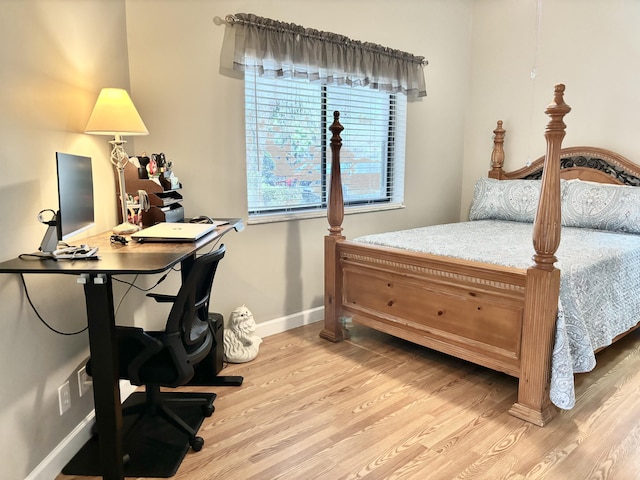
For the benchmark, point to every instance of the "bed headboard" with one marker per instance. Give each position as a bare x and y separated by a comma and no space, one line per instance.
586,163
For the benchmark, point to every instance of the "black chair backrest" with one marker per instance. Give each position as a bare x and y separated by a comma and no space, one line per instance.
190,310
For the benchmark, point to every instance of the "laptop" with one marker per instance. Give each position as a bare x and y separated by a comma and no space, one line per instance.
173,232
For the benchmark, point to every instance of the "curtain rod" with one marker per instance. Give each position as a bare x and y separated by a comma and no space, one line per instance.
317,34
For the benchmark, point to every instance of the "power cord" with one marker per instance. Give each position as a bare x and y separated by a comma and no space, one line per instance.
38,256
133,285
35,256
214,245
26,291
115,314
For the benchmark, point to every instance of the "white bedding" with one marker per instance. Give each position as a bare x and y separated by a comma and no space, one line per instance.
599,286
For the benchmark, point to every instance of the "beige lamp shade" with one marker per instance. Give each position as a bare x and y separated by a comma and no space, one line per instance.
114,114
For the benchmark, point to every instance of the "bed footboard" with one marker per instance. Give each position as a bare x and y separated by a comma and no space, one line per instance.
494,316
470,310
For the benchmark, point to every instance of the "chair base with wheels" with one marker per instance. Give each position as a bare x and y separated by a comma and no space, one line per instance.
153,446
158,405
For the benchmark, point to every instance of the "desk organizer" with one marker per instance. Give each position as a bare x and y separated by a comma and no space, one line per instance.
165,202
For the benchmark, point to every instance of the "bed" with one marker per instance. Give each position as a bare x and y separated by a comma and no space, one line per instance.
510,315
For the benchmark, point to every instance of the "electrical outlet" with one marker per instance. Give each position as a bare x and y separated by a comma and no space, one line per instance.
84,381
64,397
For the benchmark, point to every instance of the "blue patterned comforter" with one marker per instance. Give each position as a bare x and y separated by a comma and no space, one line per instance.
599,282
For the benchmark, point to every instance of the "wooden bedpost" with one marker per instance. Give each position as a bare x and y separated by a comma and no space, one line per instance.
497,154
543,280
333,328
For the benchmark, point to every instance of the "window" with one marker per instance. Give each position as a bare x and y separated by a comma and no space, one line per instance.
288,152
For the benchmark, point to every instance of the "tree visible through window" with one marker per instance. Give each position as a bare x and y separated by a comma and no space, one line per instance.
287,142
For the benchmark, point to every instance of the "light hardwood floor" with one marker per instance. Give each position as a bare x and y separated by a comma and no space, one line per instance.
377,407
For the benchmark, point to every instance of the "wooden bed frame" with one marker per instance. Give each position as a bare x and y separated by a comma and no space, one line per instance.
499,317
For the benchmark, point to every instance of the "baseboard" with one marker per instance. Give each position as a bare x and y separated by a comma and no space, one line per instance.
53,463
282,324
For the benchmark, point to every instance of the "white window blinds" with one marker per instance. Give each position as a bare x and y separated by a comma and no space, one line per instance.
287,142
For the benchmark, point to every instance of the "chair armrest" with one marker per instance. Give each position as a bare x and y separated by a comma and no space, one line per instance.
162,298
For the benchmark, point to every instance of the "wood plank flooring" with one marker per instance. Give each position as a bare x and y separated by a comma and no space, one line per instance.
377,407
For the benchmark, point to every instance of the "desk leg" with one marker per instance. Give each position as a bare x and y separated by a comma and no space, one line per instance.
104,364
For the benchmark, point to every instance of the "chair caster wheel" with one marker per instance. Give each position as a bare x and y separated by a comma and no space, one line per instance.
196,443
208,410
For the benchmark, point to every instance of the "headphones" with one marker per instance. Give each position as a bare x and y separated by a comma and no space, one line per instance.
52,221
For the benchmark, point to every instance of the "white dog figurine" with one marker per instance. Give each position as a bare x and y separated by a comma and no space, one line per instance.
240,343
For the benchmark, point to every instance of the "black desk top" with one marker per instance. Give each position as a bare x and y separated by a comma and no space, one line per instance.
116,259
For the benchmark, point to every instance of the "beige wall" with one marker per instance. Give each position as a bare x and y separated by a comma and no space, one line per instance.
591,46
196,117
54,58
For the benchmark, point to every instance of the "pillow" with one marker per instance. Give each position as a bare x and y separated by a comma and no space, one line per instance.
513,200
601,206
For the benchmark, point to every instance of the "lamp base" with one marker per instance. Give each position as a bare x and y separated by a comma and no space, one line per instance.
125,228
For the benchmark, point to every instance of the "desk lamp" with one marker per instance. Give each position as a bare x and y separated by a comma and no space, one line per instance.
114,114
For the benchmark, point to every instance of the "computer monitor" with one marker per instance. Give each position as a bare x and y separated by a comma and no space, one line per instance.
75,194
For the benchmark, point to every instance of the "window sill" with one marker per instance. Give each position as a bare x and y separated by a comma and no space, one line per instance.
286,217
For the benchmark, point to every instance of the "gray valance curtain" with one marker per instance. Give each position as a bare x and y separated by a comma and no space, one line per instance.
277,49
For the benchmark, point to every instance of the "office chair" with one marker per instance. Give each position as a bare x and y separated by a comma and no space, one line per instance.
167,358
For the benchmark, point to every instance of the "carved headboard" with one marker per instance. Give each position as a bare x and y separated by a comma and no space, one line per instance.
586,163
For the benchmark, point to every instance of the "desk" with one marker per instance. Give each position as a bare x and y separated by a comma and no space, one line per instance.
116,259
